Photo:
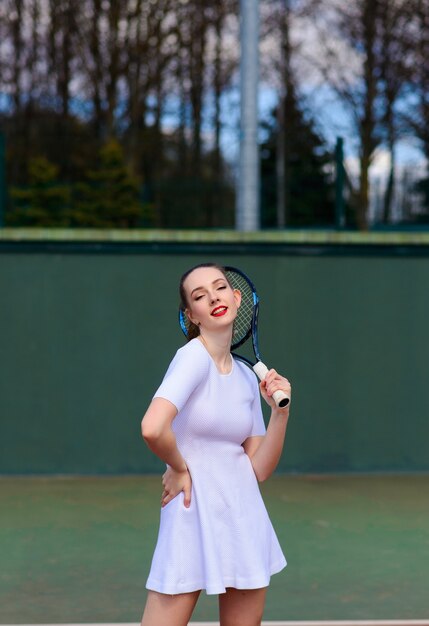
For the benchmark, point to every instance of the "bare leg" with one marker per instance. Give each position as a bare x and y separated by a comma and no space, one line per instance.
174,610
240,607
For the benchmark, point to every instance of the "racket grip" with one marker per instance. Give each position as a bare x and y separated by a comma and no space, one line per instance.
280,397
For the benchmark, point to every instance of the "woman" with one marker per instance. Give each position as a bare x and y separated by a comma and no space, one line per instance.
205,422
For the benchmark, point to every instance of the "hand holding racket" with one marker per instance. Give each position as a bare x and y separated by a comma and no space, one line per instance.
245,325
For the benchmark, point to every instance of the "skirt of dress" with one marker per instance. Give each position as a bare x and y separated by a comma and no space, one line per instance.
224,539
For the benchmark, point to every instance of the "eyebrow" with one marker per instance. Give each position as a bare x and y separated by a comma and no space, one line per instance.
213,283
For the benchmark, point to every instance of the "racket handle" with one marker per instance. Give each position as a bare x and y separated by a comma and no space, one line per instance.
280,397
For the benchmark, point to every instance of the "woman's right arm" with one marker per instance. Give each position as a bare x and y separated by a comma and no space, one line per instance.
159,436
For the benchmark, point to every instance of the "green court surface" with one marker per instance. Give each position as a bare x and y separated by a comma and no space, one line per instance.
76,550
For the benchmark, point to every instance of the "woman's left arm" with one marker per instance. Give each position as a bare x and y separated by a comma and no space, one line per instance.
264,452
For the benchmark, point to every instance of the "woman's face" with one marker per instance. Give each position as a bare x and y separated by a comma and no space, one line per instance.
212,303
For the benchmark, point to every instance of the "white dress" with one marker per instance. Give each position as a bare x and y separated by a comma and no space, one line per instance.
225,538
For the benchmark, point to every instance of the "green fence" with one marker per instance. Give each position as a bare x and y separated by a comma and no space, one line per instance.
88,329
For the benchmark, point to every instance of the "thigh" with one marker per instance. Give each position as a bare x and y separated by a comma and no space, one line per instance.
172,610
242,607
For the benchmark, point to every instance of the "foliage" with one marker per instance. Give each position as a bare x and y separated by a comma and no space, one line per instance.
44,201
310,195
109,197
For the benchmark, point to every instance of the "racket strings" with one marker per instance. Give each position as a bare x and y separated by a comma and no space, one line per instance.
243,321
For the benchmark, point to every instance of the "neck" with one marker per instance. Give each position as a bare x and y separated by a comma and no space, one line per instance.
218,345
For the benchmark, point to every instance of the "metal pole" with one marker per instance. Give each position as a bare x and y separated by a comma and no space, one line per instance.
339,184
2,178
247,204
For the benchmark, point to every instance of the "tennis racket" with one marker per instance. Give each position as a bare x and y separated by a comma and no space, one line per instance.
245,325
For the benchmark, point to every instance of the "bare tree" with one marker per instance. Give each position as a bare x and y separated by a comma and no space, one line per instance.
287,97
100,69
222,70
221,65
61,51
395,73
416,115
195,39
348,58
16,10
23,42
281,22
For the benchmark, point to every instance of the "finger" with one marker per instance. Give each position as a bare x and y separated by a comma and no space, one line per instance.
279,380
263,389
280,383
166,499
187,497
275,380
269,376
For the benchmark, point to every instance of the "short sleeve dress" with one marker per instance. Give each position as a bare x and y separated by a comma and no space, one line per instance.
225,538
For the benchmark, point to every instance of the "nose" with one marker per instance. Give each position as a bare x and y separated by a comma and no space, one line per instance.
213,298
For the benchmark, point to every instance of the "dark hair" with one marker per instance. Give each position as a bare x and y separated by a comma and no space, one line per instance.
194,330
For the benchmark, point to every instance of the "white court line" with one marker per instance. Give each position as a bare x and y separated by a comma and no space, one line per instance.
377,622
386,622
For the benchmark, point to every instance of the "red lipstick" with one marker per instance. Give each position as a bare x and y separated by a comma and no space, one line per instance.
219,311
